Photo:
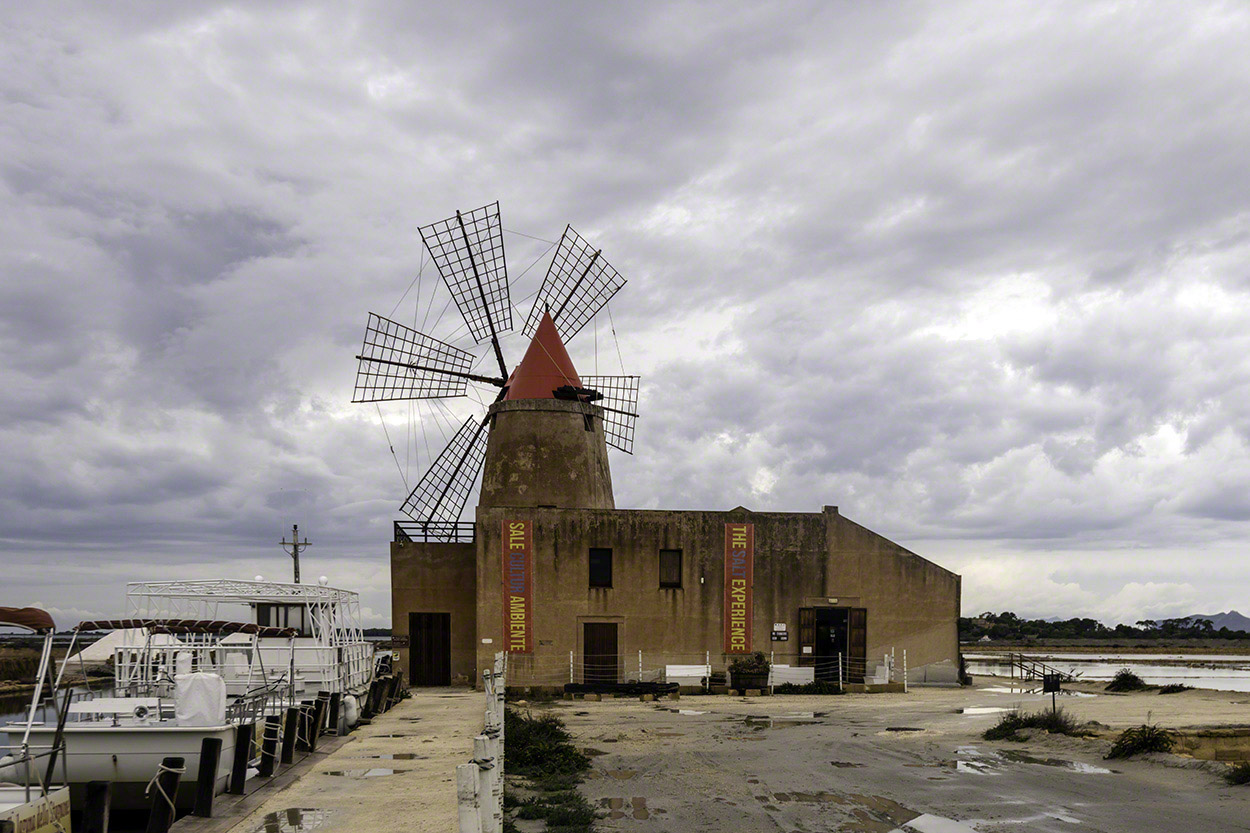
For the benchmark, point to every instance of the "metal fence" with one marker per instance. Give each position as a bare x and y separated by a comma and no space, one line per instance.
706,669
479,784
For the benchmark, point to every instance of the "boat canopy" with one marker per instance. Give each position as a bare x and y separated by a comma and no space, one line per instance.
30,618
179,626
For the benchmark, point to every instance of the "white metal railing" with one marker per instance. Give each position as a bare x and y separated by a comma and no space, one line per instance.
479,784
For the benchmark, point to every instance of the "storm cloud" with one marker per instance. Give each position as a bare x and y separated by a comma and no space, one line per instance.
977,273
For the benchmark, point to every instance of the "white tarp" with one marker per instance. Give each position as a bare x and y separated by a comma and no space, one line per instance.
199,699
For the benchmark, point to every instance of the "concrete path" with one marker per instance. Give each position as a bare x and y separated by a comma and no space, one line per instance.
420,741
891,762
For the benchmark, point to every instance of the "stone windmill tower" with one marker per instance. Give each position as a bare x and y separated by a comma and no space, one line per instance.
543,441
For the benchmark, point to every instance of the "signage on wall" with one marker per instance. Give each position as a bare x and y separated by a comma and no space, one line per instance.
739,576
518,587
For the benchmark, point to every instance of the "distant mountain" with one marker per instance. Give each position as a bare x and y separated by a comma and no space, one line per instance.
1232,620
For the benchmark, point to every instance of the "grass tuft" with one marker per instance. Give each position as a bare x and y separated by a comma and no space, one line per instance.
1140,739
1125,680
1175,688
1057,722
1238,773
541,749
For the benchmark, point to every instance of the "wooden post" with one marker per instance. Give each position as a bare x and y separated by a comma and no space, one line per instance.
242,754
206,777
289,733
318,720
95,811
305,727
164,795
466,799
269,746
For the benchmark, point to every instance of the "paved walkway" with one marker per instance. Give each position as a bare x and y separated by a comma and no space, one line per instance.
421,740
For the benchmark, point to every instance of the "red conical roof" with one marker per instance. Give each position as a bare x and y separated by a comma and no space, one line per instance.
546,366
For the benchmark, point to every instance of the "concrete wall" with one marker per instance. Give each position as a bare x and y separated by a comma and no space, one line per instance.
437,578
801,560
540,453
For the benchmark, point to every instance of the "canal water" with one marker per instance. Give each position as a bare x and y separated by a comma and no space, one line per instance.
1214,671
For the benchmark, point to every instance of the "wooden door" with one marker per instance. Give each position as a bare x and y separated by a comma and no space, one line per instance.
858,643
599,653
429,649
807,636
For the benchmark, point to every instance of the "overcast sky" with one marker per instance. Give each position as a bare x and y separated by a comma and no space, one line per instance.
977,273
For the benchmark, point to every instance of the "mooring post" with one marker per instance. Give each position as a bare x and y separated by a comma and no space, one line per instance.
269,746
242,755
206,777
336,700
305,726
289,734
164,792
95,811
318,719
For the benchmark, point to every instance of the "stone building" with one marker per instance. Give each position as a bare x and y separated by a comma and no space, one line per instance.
573,587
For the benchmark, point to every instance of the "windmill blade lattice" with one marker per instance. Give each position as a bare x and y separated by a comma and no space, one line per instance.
397,362
468,251
620,408
578,283
444,489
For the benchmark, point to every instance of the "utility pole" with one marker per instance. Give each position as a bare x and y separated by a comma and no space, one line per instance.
295,545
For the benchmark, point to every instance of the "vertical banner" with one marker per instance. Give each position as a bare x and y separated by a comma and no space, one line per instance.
739,577
518,587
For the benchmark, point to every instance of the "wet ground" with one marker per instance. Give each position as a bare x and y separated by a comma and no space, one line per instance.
886,763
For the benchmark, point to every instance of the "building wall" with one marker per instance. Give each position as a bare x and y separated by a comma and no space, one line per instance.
801,560
437,578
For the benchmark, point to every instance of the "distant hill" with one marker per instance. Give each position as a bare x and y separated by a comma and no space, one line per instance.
1232,620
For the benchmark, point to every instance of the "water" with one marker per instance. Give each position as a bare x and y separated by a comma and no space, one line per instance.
1213,671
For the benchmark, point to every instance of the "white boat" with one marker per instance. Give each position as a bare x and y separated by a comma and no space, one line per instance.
29,801
199,659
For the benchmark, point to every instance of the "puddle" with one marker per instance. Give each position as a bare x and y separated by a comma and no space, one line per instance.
293,820
971,710
394,735
903,729
689,711
977,762
636,808
396,756
376,772
761,722
845,764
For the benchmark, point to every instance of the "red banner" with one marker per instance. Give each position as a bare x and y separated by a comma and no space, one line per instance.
739,577
518,587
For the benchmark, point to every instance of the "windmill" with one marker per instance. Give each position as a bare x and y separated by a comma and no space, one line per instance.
398,362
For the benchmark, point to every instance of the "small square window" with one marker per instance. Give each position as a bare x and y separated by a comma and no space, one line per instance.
600,567
670,568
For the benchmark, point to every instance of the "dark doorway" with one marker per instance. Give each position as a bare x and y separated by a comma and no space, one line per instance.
429,648
599,652
829,636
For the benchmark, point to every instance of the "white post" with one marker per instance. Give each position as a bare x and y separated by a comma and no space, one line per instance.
483,756
840,686
772,655
904,670
466,798
707,668
571,667
639,665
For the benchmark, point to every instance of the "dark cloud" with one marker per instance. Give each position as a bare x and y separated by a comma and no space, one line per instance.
974,272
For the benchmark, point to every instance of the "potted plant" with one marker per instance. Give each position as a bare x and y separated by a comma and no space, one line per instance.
749,671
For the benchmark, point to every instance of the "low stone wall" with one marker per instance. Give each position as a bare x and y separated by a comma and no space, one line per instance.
1216,743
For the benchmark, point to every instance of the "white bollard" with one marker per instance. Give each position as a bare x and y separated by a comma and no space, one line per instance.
466,798
484,757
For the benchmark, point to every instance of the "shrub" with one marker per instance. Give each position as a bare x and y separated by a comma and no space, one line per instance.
1057,722
817,687
1125,680
1238,773
755,663
1140,739
1174,688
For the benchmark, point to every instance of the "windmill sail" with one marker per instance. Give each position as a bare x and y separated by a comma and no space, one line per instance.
397,362
578,283
620,408
468,251
443,491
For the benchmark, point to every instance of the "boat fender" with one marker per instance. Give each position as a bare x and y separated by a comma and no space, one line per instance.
351,709
8,772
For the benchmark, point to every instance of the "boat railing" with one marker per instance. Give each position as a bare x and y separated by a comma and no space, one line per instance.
15,758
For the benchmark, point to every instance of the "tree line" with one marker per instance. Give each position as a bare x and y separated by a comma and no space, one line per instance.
1009,626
